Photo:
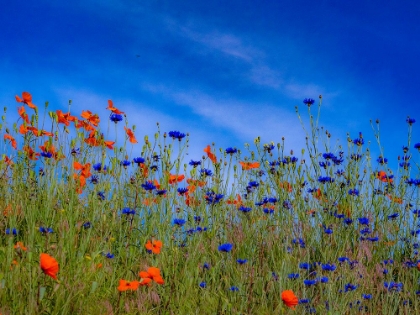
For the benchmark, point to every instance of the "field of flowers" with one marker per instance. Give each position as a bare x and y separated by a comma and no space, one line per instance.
94,222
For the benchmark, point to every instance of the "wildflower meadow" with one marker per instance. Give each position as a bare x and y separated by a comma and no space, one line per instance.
96,221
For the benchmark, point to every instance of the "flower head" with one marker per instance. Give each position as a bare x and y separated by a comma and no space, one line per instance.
225,247
115,117
154,246
289,298
128,285
308,101
49,265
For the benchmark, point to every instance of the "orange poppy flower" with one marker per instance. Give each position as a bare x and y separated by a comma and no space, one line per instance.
12,140
64,118
49,265
289,298
152,273
30,153
109,144
26,99
92,118
128,285
144,170
196,182
154,246
286,185
19,245
175,178
146,281
237,201
23,114
130,135
210,154
249,165
85,125
114,109
191,201
85,169
7,160
383,177
395,199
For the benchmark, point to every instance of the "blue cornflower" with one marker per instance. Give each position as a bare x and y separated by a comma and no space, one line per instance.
350,287
393,286
339,172
354,192
109,255
13,231
161,192
324,164
393,216
128,211
325,179
268,147
200,229
338,215
195,163
203,285
182,191
206,172
98,167
45,230
253,184
348,221
116,117
87,225
405,165
373,239
337,161
328,155
179,222
363,221
148,186
154,167
225,247
75,151
47,155
343,259
125,163
272,200
308,101
381,160
94,179
304,301
101,195
176,135
365,231
329,267
242,261
299,241
367,296
323,279
206,266
356,157
245,209
268,211
410,121
305,265
417,146
309,282
359,141
328,231
138,160
234,289
293,276
231,151
212,198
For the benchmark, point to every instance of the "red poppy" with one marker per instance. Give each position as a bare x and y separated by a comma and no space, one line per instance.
151,273
383,177
154,246
175,178
30,153
49,265
26,99
64,118
23,114
237,201
289,298
249,165
12,140
128,285
210,154
114,109
92,118
109,144
130,135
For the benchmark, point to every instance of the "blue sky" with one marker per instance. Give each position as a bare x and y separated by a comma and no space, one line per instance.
224,71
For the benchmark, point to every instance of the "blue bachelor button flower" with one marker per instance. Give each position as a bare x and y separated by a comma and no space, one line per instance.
393,286
182,191
212,198
308,101
272,200
109,255
348,221
329,267
231,151
75,151
45,230
417,146
355,157
116,117
324,164
206,266
350,287
323,279
125,163
128,211
179,222
101,195
138,160
325,179
268,211
293,276
253,184
47,155
405,165
13,231
225,247
234,289
161,192
309,283
353,192
373,239
98,167
304,301
343,259
148,186
195,163
203,285
367,296
244,209
176,135
94,179
206,172
242,261
410,121
381,160
87,225
393,216
363,221
305,266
